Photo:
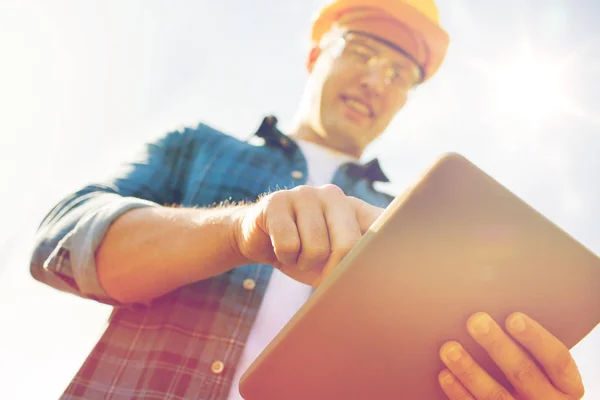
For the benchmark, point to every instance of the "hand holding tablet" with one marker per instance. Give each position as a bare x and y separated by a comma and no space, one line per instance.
547,372
456,244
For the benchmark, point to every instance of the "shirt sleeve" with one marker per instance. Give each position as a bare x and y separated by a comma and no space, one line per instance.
68,237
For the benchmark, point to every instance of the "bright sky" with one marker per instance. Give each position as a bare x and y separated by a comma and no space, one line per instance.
83,84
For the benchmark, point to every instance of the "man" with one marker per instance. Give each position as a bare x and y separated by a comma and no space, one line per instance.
184,240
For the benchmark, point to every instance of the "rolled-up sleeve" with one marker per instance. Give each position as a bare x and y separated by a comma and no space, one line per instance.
68,238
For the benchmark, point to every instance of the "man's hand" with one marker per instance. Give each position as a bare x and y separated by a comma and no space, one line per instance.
305,231
465,380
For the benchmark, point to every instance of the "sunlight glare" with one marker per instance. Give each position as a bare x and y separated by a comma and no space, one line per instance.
526,87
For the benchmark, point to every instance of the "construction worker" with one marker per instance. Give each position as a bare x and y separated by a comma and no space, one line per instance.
205,260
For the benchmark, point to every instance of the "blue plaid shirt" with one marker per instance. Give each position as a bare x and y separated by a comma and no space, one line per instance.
187,343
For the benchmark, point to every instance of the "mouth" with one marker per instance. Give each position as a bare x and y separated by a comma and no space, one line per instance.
359,106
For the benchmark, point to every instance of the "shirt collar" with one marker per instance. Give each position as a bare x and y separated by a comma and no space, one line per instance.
273,137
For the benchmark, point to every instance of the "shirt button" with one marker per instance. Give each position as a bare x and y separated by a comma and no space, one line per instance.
217,367
297,174
249,284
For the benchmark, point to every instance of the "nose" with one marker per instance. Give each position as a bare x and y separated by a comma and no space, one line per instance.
374,79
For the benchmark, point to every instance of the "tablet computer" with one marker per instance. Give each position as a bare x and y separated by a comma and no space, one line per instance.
456,243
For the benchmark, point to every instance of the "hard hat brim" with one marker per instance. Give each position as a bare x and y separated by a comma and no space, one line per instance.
435,37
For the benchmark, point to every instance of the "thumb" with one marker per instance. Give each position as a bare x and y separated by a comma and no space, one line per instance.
366,214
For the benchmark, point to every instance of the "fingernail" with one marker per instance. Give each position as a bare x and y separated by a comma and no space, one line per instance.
447,379
481,324
517,323
453,353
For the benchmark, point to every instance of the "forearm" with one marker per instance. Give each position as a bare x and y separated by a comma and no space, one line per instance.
148,252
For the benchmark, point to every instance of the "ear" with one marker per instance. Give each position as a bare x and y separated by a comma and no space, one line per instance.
315,51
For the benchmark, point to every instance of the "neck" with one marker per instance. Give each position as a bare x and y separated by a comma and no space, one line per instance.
302,131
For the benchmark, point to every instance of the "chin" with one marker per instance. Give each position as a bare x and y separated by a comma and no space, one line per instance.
348,141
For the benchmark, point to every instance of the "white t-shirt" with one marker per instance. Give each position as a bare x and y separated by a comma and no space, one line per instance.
284,296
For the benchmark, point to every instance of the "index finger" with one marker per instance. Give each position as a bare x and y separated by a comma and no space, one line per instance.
366,213
343,227
550,352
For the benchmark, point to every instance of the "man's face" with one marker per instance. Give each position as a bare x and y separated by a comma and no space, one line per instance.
357,86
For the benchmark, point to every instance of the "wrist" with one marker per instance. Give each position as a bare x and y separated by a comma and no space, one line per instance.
234,228
222,226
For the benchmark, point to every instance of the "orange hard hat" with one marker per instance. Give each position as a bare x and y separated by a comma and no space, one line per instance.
420,16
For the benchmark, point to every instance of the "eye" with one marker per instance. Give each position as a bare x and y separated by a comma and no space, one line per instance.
393,74
401,77
362,52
